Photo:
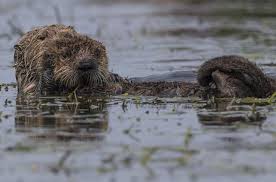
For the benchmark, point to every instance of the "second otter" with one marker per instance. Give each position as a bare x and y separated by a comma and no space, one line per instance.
56,59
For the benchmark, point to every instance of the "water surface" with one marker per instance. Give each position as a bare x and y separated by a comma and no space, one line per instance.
130,138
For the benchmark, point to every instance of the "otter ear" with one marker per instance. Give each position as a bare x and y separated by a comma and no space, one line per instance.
97,52
71,27
17,47
102,47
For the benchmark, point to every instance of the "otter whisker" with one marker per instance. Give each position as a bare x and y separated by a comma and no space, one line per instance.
103,78
69,79
104,75
74,80
51,55
62,77
67,76
91,79
96,79
99,78
64,71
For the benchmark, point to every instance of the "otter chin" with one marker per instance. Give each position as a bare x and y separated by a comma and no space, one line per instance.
56,59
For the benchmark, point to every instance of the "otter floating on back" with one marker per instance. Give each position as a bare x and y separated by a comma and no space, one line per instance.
56,59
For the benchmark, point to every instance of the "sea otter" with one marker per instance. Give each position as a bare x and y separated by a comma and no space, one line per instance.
56,59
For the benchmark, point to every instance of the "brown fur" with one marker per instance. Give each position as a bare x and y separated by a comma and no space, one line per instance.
235,76
48,61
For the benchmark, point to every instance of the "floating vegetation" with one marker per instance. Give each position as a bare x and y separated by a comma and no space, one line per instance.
6,86
233,111
14,85
134,138
230,117
20,147
61,163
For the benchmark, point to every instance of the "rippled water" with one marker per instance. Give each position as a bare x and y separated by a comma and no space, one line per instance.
129,138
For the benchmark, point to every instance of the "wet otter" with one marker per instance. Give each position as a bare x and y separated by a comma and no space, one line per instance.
56,59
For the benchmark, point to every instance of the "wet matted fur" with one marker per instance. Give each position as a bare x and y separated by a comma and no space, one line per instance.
47,59
56,59
235,76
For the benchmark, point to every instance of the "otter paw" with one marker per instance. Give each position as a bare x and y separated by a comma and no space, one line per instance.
228,86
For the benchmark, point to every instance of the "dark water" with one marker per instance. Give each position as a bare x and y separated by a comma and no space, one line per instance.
130,138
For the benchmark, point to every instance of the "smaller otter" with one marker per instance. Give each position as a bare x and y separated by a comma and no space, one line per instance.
56,59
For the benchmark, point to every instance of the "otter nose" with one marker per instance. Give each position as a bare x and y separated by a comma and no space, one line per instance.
87,64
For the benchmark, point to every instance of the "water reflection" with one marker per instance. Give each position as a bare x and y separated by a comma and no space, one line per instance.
228,112
62,119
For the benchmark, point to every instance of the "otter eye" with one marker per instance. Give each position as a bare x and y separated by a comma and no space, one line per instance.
42,36
66,55
18,47
49,56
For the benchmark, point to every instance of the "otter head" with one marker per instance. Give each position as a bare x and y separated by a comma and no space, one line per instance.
70,61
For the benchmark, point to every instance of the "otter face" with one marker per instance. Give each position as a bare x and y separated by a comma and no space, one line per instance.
56,58
74,61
